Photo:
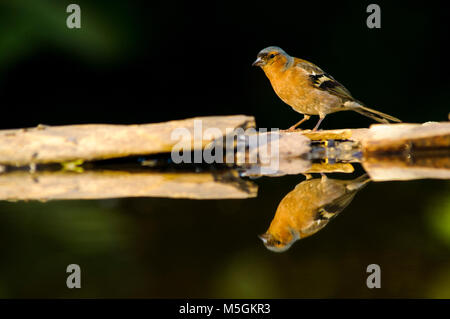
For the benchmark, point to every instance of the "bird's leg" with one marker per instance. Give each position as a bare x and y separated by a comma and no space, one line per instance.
318,123
293,127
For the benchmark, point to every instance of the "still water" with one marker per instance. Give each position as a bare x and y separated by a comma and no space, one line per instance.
221,234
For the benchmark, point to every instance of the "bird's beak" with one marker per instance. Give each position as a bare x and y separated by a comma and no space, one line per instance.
258,62
264,238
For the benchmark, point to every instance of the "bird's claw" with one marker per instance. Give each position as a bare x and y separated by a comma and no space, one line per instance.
291,129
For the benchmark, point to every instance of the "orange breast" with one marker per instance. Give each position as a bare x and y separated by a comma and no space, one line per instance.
293,87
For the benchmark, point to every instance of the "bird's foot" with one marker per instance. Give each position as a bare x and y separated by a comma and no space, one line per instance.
290,130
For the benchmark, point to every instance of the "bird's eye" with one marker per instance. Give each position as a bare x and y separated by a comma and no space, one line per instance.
272,56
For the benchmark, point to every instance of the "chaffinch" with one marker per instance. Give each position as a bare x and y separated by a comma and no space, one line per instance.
308,208
308,89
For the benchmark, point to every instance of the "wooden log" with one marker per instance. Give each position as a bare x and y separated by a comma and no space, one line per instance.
61,144
404,138
56,144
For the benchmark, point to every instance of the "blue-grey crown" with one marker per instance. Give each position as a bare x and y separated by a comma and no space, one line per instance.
271,49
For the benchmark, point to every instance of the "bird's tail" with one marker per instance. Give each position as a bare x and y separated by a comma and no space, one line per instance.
358,183
373,114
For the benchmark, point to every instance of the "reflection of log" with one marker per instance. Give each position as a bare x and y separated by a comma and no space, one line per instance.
331,168
397,169
407,151
22,185
55,144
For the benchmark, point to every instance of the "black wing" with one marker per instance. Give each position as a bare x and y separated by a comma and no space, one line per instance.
325,82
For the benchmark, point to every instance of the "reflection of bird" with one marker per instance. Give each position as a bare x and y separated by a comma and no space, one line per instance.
308,208
308,89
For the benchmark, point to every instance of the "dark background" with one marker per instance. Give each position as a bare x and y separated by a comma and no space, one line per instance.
141,62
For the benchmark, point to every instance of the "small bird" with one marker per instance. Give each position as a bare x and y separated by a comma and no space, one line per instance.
308,208
308,89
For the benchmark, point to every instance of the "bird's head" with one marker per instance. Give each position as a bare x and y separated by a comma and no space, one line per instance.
270,56
278,242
